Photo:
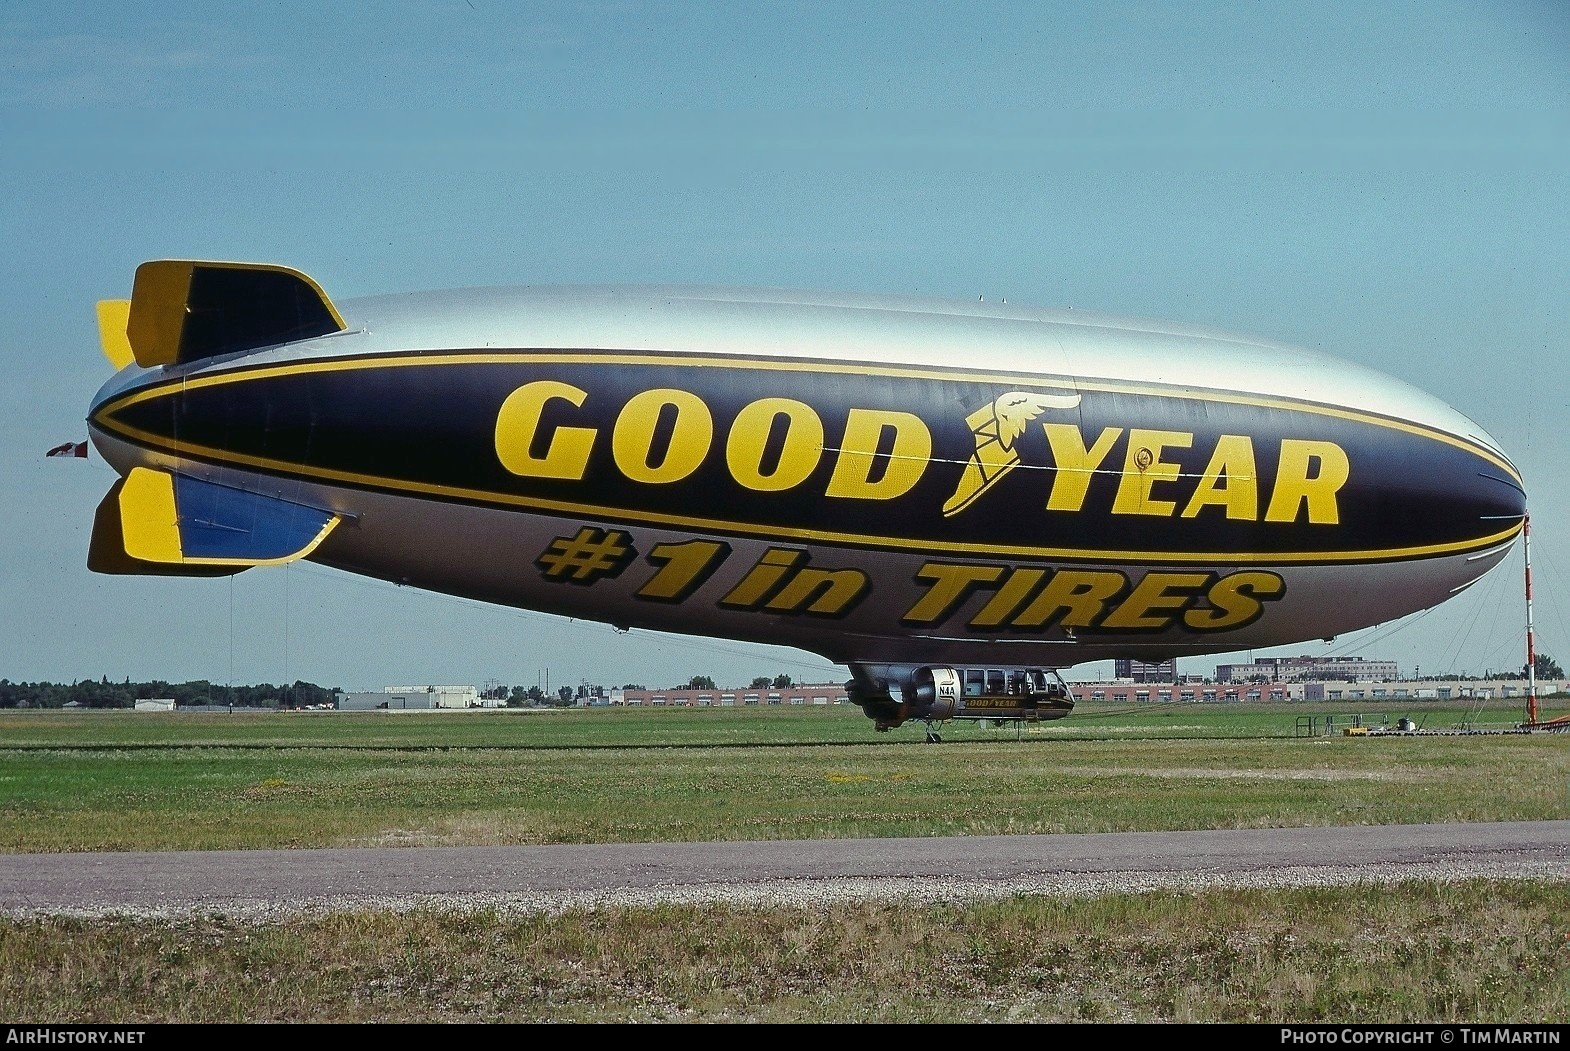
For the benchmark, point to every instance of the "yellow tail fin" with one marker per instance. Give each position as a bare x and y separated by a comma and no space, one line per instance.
112,317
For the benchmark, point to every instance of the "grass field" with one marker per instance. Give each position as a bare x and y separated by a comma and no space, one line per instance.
1480,951
103,780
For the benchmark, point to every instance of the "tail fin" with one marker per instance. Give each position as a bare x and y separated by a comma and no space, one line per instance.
112,317
185,310
157,523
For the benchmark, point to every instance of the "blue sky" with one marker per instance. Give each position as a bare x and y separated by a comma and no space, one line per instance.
1382,181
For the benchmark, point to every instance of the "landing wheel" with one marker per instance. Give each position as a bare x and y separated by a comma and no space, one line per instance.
933,737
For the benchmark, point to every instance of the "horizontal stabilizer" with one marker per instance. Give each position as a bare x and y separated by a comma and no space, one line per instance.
153,522
186,310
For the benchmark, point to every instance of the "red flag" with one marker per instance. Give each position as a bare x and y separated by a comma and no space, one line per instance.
77,449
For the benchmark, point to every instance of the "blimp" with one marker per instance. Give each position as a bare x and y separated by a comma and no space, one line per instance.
955,500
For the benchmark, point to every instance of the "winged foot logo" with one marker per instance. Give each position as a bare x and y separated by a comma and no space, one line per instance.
997,427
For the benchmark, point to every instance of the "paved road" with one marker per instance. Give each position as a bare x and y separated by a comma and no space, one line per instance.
265,883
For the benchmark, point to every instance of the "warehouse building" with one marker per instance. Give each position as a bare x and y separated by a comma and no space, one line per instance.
801,694
1144,671
403,698
1305,668
1336,690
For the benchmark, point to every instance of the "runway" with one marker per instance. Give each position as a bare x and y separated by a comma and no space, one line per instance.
273,883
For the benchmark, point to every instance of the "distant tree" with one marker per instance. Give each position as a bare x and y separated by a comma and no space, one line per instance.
565,693
100,694
783,681
633,686
760,682
699,682
106,694
535,695
1545,667
200,691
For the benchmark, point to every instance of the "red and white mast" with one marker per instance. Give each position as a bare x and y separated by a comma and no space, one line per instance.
1531,652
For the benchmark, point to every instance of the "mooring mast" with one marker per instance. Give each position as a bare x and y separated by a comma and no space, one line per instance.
1531,654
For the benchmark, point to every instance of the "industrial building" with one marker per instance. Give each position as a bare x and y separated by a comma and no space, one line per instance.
1143,671
417,698
1305,668
802,694
1124,690
1360,690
